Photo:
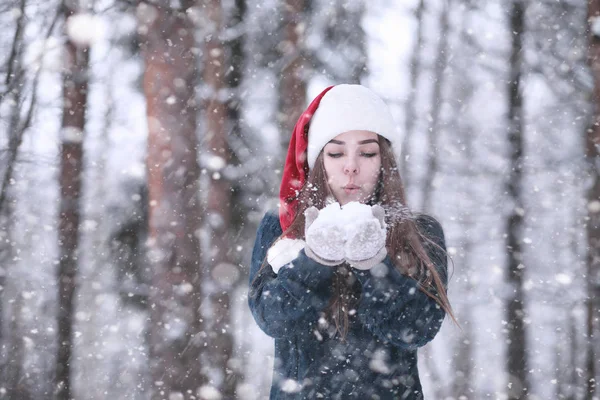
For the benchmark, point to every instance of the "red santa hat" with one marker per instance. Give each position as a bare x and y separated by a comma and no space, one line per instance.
337,109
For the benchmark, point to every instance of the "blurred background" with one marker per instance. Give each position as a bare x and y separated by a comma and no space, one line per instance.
141,142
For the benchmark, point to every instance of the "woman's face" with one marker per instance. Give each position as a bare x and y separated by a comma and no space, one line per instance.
352,162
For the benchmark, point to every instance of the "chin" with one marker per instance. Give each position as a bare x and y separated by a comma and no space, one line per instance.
347,200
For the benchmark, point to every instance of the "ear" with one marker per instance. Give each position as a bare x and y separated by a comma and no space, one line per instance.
379,213
310,214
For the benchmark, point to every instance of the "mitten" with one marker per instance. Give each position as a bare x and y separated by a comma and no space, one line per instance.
365,244
324,236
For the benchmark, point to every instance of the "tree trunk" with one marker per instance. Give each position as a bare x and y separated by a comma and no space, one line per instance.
517,362
593,209
411,103
223,274
12,366
437,101
75,85
14,87
358,36
13,80
235,76
342,57
292,86
176,336
237,64
462,384
18,384
565,359
437,387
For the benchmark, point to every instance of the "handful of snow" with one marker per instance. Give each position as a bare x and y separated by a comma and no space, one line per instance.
325,234
335,215
365,236
354,232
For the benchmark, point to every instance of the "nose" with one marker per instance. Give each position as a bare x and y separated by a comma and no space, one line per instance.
351,166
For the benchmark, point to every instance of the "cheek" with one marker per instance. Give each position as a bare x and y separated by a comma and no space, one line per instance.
374,172
331,168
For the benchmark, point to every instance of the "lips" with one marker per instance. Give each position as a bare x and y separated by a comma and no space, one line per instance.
351,188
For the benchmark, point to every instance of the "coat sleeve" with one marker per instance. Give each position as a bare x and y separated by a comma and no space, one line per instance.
393,307
289,302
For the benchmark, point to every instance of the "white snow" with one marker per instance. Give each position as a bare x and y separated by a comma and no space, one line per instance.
146,13
380,270
84,29
70,134
45,54
563,279
595,25
378,363
15,13
209,393
470,206
290,386
594,206
334,214
226,274
347,215
215,163
338,224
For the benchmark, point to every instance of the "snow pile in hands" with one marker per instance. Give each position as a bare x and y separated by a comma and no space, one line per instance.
324,232
349,232
353,224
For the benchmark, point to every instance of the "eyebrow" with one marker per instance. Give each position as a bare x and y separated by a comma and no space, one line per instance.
361,142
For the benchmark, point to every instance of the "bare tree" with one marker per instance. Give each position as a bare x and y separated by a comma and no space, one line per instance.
18,385
15,86
437,101
238,140
292,85
462,382
223,273
14,74
462,385
517,356
341,55
411,103
175,334
235,76
593,210
432,161
75,90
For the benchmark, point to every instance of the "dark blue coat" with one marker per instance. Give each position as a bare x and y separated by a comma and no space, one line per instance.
378,359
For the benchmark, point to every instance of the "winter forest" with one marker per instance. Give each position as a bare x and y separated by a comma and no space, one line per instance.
124,251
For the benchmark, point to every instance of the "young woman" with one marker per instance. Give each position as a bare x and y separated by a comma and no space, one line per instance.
346,279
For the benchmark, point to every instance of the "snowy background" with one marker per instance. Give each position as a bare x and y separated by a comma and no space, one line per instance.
450,94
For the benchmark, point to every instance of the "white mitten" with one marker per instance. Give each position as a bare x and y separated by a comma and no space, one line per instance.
366,236
324,235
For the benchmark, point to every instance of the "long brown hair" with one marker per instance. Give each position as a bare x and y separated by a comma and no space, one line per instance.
405,243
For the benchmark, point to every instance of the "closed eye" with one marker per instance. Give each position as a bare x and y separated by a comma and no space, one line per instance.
368,155
335,155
